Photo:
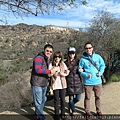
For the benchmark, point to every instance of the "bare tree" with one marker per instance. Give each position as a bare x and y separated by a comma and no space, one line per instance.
105,33
35,7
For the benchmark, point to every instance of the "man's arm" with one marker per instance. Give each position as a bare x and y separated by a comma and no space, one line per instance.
81,69
38,66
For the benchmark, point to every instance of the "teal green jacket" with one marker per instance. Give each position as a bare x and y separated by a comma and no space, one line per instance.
89,68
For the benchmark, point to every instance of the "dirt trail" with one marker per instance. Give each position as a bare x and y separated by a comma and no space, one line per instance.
110,102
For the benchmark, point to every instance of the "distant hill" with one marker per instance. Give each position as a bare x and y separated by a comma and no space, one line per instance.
18,45
30,39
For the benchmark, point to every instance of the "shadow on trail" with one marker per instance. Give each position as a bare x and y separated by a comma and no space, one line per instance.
27,112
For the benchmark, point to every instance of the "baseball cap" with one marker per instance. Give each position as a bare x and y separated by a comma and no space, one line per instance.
72,49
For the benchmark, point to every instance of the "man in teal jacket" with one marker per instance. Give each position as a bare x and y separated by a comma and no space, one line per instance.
91,77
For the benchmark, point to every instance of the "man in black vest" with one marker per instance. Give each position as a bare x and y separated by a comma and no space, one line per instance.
39,78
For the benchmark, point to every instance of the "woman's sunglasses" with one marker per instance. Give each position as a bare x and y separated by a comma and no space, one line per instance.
57,56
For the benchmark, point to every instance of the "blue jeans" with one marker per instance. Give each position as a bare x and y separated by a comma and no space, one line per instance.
39,98
73,99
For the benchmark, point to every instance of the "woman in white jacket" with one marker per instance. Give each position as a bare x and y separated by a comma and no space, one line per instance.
59,83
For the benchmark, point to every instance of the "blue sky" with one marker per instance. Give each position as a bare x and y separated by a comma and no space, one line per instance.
76,18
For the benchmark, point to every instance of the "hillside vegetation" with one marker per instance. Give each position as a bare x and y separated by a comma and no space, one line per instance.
18,46
20,43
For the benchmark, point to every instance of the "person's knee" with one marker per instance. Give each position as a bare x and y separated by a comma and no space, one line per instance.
77,99
71,101
44,99
38,101
97,97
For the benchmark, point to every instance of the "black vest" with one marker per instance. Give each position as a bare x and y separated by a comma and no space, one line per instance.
39,79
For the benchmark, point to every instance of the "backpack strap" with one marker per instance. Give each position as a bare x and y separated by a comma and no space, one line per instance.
93,64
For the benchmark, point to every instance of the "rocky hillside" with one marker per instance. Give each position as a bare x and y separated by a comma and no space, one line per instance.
29,39
18,45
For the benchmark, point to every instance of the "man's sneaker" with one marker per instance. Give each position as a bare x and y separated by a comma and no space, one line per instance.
87,115
99,115
75,113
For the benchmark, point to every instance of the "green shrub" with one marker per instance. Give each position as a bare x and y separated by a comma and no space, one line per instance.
2,79
114,78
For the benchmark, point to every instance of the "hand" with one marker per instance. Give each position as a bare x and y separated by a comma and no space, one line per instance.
67,71
89,75
53,70
81,70
98,74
